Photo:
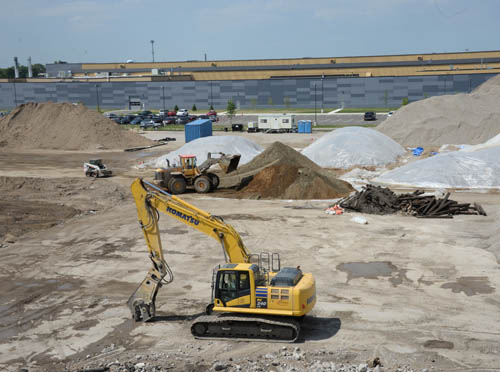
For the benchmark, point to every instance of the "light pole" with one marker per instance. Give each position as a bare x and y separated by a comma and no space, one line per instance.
153,49
15,94
163,96
97,96
211,97
322,94
315,111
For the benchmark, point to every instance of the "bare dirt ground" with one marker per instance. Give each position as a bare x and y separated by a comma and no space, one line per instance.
417,293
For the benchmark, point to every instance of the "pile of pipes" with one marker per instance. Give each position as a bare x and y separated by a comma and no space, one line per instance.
380,200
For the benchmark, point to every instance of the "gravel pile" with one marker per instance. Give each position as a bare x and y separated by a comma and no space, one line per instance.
452,119
478,169
286,359
63,126
200,147
352,147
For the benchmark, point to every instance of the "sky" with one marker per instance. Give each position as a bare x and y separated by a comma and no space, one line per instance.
121,30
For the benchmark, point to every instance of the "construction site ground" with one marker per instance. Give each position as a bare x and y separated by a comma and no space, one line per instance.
416,293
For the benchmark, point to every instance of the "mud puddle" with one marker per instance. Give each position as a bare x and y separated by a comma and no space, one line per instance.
370,270
470,285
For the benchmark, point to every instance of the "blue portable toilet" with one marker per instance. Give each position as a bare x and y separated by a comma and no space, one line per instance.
304,126
300,126
307,126
197,129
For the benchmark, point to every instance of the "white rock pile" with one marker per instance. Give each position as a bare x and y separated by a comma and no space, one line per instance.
200,147
353,146
460,169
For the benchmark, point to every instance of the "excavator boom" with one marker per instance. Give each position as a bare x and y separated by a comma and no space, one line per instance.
150,200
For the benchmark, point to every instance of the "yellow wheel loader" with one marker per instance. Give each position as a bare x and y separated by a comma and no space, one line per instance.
253,297
177,178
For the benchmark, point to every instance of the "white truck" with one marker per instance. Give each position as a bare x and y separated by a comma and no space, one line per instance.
277,123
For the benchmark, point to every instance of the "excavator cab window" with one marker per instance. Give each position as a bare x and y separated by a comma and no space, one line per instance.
232,284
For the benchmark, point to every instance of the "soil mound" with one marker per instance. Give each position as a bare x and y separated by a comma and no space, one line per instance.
290,182
283,173
278,154
63,126
453,119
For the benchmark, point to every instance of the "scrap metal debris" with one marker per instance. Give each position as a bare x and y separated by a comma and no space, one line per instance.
380,200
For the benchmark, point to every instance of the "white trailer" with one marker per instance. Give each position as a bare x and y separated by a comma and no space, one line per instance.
277,123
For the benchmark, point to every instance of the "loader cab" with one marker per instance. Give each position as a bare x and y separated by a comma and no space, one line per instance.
188,164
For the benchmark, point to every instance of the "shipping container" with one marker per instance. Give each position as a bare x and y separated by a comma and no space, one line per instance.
198,129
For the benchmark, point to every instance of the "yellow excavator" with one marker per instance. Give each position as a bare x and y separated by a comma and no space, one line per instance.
253,297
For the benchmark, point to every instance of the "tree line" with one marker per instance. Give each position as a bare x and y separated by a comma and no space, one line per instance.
8,73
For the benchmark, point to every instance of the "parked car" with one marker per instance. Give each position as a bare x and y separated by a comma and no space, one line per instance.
183,112
169,120
390,113
212,113
370,115
172,113
163,112
110,115
149,123
136,120
192,117
182,120
157,118
145,113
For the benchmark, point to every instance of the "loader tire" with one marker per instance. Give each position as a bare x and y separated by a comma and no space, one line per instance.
214,180
202,184
177,185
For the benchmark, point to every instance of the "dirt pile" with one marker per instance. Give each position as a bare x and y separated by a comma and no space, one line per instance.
452,119
63,126
283,173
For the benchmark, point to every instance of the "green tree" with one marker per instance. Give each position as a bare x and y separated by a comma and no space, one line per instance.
230,110
193,108
405,101
286,101
211,107
176,108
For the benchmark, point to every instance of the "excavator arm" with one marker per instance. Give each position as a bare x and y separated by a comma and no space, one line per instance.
150,200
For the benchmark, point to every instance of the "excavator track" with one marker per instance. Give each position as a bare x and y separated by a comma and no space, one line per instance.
244,327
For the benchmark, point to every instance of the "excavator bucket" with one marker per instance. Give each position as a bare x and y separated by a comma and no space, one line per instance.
229,163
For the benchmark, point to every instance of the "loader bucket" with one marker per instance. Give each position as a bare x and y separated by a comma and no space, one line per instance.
229,163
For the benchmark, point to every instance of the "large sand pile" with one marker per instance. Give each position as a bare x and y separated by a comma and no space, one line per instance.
200,147
284,173
453,119
63,126
353,146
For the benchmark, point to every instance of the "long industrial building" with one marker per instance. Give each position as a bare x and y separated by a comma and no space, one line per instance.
330,82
